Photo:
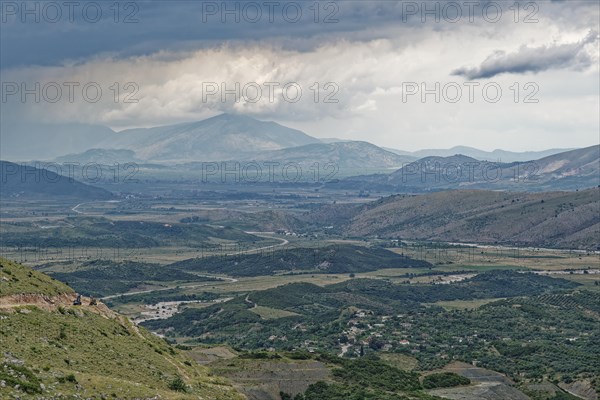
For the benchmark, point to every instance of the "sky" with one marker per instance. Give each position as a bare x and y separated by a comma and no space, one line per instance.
400,74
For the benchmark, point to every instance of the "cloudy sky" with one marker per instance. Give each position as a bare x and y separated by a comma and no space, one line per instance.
400,74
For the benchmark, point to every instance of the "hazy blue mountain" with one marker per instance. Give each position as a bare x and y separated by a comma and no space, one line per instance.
573,169
223,137
47,141
22,181
568,170
497,155
400,152
100,156
351,156
432,172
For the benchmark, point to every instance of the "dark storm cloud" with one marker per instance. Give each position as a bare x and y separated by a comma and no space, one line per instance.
152,26
145,27
532,59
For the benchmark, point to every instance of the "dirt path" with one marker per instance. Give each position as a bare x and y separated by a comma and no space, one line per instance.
52,303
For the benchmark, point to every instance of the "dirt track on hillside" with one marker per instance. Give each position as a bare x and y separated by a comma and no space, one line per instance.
52,303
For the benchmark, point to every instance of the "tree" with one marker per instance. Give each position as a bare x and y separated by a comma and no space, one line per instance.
376,343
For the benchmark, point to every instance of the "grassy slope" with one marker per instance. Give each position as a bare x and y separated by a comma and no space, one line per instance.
554,219
105,353
16,279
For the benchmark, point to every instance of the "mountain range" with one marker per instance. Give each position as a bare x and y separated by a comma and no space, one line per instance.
570,170
223,137
497,155
100,156
349,156
228,137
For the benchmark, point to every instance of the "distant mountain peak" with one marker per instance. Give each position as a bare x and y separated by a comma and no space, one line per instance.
218,138
230,117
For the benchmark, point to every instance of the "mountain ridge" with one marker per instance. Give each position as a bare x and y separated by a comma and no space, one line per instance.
497,155
571,170
240,137
20,180
549,219
347,155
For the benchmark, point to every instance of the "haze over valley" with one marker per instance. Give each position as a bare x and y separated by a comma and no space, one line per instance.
382,200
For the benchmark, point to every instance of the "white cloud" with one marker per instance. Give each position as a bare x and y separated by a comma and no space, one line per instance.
369,73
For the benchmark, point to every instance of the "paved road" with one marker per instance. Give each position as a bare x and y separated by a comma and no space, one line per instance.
230,280
90,202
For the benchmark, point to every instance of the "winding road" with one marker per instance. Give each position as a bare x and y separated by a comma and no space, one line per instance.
230,280
227,279
263,235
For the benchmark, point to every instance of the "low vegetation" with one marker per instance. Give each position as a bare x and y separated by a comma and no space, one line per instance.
134,236
444,380
104,277
542,330
332,259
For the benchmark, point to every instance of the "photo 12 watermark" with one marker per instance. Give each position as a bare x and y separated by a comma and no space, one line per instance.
69,172
453,12
71,92
53,12
253,12
248,172
469,172
471,92
39,253
271,92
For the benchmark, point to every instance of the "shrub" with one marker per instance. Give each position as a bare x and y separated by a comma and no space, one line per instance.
178,385
444,380
19,375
